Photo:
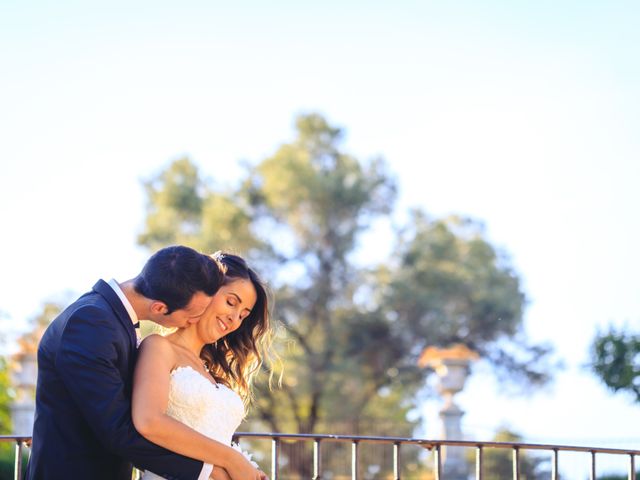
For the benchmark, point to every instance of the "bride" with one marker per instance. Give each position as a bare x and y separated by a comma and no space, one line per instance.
200,375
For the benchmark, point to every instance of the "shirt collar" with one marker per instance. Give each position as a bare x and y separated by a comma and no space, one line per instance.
125,301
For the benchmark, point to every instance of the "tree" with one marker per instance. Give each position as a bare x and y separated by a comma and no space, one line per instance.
616,361
352,333
617,477
449,285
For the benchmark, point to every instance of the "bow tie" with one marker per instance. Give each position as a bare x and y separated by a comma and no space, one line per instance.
136,325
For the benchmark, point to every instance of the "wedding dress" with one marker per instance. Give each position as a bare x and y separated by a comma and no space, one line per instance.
213,410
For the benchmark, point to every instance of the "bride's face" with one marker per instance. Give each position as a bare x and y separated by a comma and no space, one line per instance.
231,304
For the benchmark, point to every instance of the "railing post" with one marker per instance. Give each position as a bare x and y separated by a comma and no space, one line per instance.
18,463
396,461
516,463
275,457
592,473
554,464
437,463
317,460
632,467
354,460
479,462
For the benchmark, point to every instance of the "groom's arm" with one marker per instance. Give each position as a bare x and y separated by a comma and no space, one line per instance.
87,361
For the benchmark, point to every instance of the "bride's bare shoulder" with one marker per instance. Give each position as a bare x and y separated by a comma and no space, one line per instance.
157,354
156,344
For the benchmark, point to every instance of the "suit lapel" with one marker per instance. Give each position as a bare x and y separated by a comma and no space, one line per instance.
103,288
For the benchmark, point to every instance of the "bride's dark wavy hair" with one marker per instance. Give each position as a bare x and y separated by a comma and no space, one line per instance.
236,358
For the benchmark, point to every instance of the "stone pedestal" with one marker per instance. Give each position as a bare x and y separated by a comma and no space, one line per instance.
455,466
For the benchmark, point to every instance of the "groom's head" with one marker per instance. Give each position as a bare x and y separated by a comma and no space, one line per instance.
180,282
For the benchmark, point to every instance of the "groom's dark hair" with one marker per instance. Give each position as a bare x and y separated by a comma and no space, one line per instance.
174,274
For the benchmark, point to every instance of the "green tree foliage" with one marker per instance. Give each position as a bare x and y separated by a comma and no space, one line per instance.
182,210
617,477
352,334
447,284
616,361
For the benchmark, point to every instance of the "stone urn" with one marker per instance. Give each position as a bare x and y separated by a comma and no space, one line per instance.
452,367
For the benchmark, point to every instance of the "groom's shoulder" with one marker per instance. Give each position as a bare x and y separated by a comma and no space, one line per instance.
93,300
90,310
90,302
91,307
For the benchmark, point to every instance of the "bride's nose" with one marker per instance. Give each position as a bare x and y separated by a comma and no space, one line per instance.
234,315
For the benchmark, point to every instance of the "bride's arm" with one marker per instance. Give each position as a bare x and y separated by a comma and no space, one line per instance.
149,405
219,474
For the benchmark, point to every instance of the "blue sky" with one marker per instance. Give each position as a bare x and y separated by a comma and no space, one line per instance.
523,115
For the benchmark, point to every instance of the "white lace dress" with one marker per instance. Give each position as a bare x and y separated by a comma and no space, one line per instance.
213,410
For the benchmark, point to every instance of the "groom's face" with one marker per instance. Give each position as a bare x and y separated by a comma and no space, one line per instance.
189,314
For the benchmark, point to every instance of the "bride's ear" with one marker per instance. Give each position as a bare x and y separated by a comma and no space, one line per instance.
159,308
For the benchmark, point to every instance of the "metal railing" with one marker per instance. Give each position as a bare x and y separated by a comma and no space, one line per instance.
436,447
20,445
395,443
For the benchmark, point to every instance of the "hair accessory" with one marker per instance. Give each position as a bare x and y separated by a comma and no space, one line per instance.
217,257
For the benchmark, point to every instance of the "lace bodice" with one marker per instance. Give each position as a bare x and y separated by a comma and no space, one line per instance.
213,410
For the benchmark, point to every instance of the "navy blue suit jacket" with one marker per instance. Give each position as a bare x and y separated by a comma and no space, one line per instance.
83,426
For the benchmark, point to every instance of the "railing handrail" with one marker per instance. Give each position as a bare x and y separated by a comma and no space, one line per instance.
424,442
14,438
430,443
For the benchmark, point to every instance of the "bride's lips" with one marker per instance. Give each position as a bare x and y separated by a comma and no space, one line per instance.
223,326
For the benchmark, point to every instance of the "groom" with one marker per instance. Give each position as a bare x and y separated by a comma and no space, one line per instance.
83,427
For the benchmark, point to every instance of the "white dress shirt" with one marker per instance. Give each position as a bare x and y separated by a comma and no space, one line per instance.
127,305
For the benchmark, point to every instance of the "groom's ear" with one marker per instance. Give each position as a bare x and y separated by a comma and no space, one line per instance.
159,308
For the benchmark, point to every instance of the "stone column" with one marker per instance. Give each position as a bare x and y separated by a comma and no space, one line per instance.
23,378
